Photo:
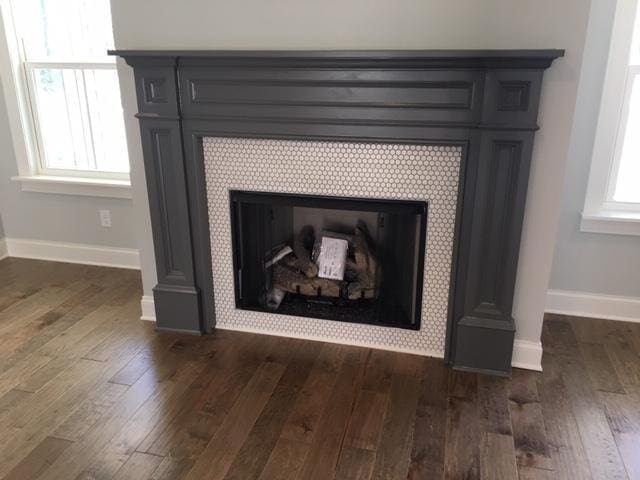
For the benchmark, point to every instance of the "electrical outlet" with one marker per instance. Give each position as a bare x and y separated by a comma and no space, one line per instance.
105,218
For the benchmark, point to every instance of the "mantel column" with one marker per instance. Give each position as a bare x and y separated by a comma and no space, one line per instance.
494,202
176,296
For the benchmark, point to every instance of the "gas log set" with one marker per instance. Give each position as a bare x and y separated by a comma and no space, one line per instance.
326,265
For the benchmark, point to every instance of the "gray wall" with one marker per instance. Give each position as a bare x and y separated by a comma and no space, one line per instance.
588,262
401,24
57,218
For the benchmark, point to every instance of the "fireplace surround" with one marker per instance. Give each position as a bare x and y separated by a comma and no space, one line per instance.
404,173
483,103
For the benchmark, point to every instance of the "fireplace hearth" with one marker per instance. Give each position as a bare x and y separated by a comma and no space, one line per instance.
346,259
483,104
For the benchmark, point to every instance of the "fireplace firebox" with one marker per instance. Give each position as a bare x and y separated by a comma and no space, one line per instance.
347,259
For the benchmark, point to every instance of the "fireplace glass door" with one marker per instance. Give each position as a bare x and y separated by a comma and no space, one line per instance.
343,259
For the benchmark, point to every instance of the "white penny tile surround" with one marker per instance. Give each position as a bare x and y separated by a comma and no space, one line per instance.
363,170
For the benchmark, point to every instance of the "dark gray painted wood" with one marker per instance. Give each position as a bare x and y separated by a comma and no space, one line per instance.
177,295
485,101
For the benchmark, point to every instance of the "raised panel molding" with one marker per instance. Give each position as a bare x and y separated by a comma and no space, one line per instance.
168,210
514,96
156,87
354,96
155,90
348,93
498,212
485,101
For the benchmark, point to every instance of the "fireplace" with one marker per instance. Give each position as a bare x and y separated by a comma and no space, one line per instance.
242,131
344,259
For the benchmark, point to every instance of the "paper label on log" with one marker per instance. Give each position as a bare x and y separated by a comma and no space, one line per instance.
332,258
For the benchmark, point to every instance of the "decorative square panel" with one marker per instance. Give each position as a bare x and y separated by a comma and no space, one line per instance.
155,90
364,170
514,96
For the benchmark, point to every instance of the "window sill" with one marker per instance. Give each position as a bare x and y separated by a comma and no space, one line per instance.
89,187
612,222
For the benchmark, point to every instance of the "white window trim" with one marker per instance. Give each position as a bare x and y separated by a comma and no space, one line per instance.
600,214
23,134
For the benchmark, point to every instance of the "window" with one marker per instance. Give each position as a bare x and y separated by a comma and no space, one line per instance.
66,92
612,204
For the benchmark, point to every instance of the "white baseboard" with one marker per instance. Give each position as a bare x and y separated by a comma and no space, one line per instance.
527,355
73,253
148,308
581,304
3,248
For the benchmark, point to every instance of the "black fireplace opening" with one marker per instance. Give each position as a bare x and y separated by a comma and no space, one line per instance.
347,259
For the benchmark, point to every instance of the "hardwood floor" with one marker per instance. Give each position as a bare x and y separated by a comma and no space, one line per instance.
87,391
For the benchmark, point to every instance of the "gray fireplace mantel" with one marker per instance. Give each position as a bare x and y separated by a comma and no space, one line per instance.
486,101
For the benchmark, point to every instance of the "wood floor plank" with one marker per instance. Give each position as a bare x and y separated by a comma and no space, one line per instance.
90,411
327,441
427,454
355,464
625,360
379,370
493,405
184,440
532,473
529,430
565,445
463,436
82,371
12,399
285,461
84,335
255,452
83,452
12,377
145,358
304,419
367,419
36,420
11,292
32,325
29,309
559,336
43,376
139,466
217,458
162,406
497,461
51,331
392,455
623,415
600,368
595,330
37,461
209,401
595,433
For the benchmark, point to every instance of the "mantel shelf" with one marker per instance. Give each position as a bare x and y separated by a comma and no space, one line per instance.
404,58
